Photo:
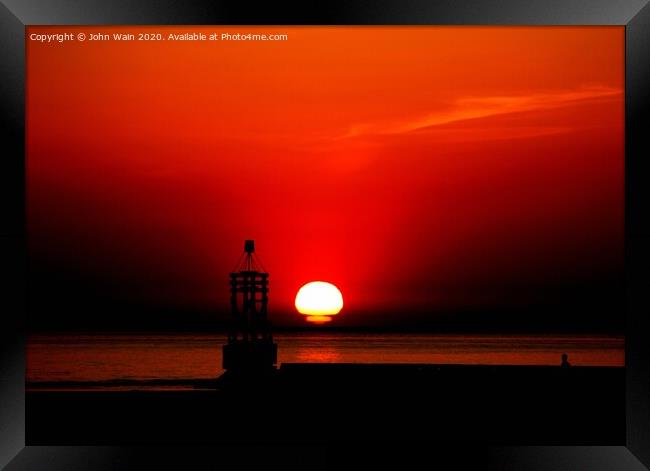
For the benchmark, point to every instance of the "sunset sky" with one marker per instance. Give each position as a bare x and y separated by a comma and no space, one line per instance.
428,172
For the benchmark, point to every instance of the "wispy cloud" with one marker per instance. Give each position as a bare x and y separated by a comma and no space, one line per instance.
468,108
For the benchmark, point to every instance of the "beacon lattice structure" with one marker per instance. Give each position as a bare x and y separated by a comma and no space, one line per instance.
250,344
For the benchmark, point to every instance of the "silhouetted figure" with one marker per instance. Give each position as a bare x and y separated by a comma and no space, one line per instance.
565,360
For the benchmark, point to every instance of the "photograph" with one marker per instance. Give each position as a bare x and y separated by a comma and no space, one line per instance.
299,233
395,234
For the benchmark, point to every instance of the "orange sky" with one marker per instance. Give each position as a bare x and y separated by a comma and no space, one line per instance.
417,168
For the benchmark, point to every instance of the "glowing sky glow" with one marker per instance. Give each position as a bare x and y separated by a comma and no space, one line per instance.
420,169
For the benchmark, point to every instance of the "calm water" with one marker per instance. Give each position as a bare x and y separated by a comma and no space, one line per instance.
171,361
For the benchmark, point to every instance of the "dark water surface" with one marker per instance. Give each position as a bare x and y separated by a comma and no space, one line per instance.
174,361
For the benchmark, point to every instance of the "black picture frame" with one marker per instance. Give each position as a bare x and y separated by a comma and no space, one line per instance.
15,15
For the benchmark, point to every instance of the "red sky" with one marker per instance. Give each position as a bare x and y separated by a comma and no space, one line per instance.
417,168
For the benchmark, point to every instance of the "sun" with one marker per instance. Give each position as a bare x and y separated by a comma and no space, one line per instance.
319,301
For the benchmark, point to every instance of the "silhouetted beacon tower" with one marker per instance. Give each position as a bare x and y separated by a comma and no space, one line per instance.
250,345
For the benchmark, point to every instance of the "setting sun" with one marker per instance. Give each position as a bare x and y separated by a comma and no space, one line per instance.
319,300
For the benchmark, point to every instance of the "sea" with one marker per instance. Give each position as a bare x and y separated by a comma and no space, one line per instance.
172,361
